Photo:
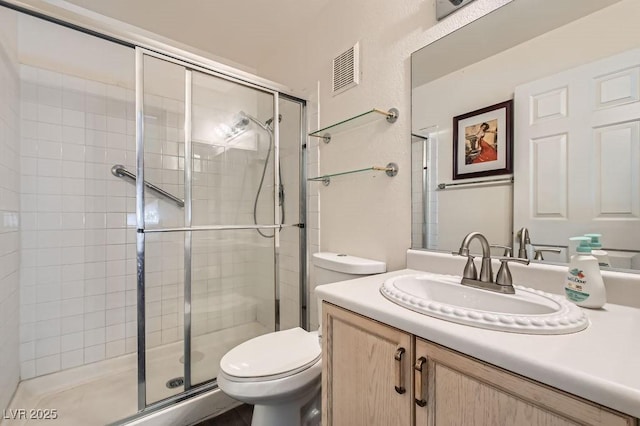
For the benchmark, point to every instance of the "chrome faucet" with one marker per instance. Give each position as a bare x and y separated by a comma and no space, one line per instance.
486,273
523,240
503,282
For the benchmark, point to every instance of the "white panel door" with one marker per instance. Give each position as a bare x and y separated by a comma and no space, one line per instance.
577,154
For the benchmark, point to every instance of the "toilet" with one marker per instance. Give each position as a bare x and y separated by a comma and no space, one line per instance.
279,373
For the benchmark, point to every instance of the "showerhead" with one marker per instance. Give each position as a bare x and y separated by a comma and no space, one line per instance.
269,121
242,120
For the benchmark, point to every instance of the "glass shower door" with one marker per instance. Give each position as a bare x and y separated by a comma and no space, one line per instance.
206,228
233,270
163,102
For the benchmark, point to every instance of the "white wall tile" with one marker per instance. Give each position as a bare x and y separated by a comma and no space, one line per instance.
94,320
28,351
73,117
27,370
94,353
72,290
72,359
72,324
44,329
94,337
48,364
115,348
47,346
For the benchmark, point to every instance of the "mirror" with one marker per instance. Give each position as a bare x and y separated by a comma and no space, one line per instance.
512,53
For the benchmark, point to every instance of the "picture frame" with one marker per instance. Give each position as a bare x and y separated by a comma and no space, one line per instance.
483,142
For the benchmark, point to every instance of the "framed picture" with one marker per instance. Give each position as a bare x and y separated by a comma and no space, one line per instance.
483,142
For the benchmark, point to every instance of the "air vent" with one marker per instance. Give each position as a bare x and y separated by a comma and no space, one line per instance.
346,69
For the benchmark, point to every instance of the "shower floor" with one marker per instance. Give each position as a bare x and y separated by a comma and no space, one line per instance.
105,392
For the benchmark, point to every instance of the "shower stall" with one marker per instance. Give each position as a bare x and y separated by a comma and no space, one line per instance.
159,208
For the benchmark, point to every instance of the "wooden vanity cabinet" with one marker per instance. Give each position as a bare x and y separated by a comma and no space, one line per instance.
363,375
366,371
460,390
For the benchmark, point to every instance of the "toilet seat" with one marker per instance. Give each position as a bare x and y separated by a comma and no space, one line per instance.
272,356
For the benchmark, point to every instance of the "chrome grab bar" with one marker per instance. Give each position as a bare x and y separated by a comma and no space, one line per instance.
118,170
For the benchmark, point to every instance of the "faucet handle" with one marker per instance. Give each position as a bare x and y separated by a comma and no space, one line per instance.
508,251
470,270
538,255
503,277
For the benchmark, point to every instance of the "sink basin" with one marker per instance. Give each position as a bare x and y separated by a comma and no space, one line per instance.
528,311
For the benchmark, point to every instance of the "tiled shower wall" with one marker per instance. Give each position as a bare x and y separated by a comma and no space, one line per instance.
9,207
225,267
78,258
78,238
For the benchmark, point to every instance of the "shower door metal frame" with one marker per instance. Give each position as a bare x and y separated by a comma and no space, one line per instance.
188,228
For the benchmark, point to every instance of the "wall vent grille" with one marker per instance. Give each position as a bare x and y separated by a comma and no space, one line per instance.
346,69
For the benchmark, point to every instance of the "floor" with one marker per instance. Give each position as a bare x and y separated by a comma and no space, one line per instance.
240,416
105,392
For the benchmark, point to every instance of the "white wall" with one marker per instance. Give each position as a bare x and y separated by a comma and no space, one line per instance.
488,82
9,206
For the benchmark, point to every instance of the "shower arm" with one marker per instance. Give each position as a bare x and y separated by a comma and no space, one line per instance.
118,170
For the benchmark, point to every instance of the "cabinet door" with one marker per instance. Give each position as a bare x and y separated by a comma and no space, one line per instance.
366,371
465,391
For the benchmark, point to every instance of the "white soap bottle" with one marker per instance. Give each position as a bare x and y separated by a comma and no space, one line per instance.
596,250
584,285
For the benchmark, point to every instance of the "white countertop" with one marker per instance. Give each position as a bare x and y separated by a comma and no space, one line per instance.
600,364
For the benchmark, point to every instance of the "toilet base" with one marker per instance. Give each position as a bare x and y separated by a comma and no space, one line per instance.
302,411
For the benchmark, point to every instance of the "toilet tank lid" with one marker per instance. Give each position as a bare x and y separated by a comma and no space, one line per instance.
347,264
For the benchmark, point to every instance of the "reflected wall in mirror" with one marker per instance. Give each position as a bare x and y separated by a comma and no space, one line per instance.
573,70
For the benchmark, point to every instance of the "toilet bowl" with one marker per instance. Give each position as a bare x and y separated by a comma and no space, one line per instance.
279,373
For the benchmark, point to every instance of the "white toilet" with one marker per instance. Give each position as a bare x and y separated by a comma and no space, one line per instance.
279,373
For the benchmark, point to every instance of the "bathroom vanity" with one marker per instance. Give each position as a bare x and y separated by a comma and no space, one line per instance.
386,365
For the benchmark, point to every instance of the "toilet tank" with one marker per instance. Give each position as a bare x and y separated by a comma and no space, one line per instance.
334,267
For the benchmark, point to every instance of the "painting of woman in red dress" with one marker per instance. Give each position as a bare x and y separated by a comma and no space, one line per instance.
481,143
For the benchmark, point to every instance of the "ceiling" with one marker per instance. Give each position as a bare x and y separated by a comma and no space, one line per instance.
243,31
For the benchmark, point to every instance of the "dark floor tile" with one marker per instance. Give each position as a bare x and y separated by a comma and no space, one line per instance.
240,416
246,413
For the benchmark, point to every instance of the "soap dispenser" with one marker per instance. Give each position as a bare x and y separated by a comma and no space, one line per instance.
584,285
596,250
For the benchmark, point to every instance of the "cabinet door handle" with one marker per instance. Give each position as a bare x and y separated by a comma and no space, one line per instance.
420,374
399,371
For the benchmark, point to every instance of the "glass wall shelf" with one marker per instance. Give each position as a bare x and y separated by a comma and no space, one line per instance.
358,120
390,169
